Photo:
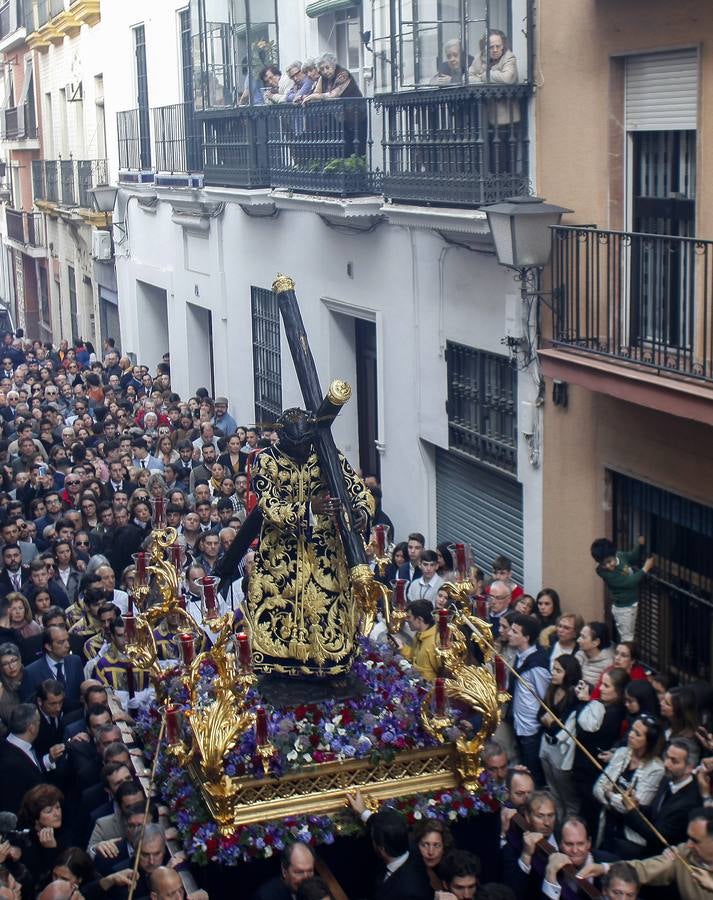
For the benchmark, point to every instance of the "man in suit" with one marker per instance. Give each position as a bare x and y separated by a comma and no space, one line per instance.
56,662
523,867
13,576
406,877
576,850
50,700
118,481
677,795
109,829
21,768
142,459
297,866
86,757
154,853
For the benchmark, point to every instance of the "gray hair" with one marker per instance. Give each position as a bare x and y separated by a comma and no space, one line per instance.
297,64
454,42
96,562
329,59
154,830
308,64
9,649
22,716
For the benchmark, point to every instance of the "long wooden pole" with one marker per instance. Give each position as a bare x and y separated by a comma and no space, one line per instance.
147,810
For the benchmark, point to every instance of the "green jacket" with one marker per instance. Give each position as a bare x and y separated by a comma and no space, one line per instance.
623,582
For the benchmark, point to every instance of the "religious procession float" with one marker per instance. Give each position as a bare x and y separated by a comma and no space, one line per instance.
258,740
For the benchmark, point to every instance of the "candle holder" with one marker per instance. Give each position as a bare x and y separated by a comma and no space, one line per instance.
141,588
158,505
265,750
209,598
379,542
396,606
176,745
462,560
186,648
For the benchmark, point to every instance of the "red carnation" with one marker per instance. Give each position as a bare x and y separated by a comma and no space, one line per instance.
314,739
468,802
300,712
211,847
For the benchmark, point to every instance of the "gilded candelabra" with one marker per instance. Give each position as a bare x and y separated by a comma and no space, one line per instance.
218,716
473,686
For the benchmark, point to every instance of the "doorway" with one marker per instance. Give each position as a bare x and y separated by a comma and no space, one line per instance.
367,396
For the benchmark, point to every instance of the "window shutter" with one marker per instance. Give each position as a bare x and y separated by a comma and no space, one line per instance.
662,91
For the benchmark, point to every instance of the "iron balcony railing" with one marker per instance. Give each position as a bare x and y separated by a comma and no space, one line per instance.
134,136
643,299
18,123
177,143
450,146
68,181
460,145
25,228
324,147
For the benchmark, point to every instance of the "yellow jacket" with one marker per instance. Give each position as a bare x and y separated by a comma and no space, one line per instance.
422,653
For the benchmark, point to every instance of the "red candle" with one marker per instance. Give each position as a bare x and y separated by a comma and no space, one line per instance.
501,674
177,557
443,627
209,596
260,725
245,660
461,564
400,594
440,696
172,724
130,683
187,648
141,567
130,606
481,606
159,511
130,625
380,534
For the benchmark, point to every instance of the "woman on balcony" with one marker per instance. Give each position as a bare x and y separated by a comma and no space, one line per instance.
452,70
337,83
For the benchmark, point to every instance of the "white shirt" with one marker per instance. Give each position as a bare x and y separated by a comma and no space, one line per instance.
553,891
419,589
395,864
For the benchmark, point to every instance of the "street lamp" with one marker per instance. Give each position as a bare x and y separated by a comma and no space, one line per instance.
104,197
521,230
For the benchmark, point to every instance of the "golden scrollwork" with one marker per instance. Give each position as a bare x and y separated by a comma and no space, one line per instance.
339,392
283,283
368,594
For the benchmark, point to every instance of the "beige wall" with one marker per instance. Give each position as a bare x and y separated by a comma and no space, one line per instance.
592,434
575,76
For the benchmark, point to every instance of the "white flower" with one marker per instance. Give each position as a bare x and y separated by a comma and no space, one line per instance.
341,731
307,758
329,728
431,802
370,663
268,850
417,814
337,720
452,815
292,755
404,665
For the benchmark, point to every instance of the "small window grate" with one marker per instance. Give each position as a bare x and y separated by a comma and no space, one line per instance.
267,366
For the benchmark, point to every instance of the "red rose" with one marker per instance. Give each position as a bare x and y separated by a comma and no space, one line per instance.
468,802
300,712
317,717
378,731
314,739
269,840
211,847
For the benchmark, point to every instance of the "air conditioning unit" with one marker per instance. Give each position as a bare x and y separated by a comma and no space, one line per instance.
101,245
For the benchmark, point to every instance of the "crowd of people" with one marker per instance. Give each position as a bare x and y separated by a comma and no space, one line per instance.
591,739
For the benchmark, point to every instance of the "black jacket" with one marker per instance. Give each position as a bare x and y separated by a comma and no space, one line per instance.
409,882
668,813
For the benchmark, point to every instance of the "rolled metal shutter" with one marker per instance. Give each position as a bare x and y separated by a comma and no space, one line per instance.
476,505
662,91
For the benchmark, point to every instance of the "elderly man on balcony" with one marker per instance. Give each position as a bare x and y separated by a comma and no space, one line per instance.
453,69
501,64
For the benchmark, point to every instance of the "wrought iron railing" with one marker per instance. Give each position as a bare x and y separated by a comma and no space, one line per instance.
324,147
643,299
463,145
51,181
235,148
77,177
66,171
18,123
90,174
38,179
134,139
177,142
14,222
24,227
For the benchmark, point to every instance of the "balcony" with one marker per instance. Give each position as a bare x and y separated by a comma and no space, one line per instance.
633,312
64,185
12,25
25,228
18,123
459,147
456,146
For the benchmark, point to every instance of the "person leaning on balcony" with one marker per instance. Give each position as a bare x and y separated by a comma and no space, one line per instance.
309,81
452,70
276,84
500,66
334,83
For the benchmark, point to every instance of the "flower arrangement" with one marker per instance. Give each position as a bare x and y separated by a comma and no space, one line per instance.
374,726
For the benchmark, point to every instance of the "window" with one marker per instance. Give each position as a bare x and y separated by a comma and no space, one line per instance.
45,314
416,42
267,368
234,40
142,96
73,312
482,406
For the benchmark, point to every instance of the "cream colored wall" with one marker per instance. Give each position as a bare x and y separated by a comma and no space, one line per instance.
595,433
574,44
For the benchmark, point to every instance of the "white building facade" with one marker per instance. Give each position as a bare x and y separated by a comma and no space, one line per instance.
398,284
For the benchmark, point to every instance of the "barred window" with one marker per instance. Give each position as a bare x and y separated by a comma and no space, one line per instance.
482,406
267,370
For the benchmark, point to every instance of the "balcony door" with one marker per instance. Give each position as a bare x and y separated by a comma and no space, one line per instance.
661,122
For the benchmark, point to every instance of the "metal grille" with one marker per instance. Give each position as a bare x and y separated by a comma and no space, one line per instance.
142,88
73,310
267,366
177,143
51,181
38,179
69,193
675,621
482,406
482,507
14,220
